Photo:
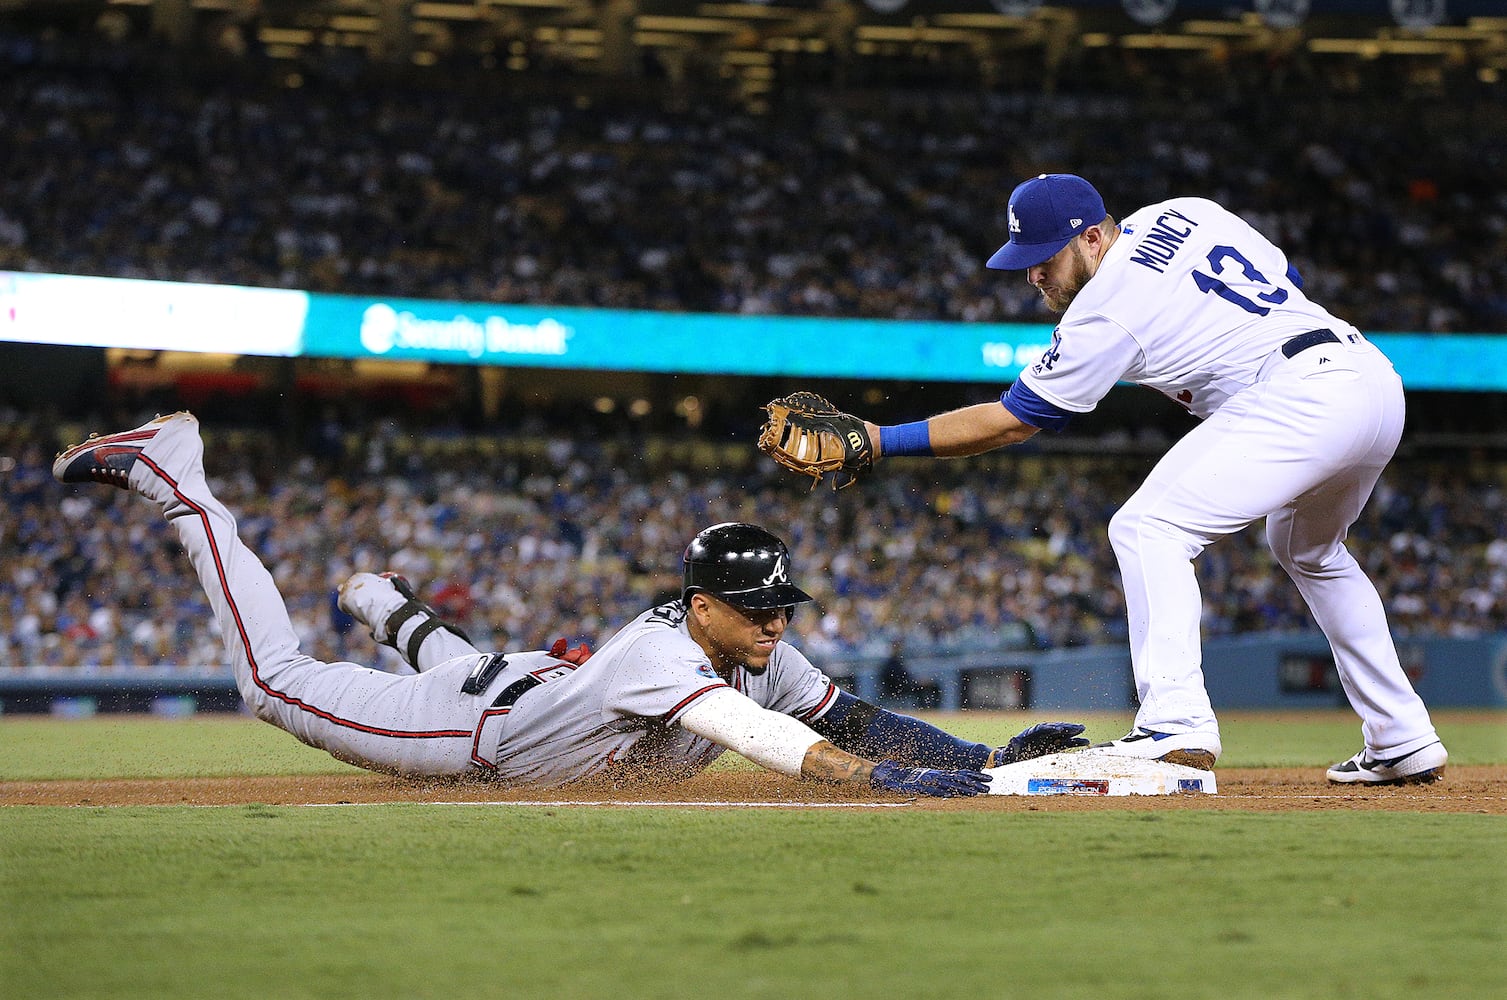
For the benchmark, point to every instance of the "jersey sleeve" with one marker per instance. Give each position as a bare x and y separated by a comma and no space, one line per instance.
660,676
1089,354
1030,408
767,738
797,687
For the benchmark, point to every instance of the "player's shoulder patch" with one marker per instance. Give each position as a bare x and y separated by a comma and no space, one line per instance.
671,614
705,670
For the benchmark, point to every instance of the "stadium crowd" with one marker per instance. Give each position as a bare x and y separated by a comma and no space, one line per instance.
528,537
879,203
843,202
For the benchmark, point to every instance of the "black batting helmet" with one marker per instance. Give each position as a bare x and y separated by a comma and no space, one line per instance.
743,564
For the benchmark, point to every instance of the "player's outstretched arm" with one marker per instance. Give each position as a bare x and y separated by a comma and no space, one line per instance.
869,731
825,762
790,747
970,430
807,434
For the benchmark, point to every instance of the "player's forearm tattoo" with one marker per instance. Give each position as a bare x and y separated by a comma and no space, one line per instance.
825,762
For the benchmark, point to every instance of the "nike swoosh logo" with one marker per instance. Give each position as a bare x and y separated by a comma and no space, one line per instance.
1373,763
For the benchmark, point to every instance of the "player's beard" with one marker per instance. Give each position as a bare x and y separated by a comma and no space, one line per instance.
730,655
1058,297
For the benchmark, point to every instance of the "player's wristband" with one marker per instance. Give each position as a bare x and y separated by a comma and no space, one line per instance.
906,439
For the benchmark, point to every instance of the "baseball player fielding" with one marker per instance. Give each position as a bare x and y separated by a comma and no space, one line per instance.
1300,414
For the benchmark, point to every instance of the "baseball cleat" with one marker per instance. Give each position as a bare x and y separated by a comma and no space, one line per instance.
109,458
1198,750
1418,767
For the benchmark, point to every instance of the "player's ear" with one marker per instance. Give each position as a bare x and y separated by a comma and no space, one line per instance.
1097,237
699,605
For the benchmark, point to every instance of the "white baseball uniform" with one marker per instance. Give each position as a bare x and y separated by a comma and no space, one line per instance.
1297,428
533,718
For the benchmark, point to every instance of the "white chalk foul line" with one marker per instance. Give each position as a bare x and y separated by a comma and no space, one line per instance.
616,802
1357,795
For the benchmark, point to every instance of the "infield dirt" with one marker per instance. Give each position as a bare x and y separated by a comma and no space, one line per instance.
1464,789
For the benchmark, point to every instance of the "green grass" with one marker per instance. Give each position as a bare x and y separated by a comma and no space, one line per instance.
626,902
425,901
126,746
38,748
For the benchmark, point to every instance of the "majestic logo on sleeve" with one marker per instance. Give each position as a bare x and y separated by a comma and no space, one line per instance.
778,574
1052,355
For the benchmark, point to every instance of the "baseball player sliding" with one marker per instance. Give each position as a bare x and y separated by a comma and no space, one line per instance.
1300,415
660,700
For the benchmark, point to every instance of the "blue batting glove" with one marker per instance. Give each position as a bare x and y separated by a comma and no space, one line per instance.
1038,741
891,777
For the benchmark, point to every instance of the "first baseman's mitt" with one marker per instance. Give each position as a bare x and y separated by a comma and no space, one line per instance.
809,435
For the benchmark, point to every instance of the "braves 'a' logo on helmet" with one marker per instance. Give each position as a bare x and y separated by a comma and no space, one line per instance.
779,574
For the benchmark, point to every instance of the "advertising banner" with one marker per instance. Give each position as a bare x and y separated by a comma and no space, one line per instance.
173,316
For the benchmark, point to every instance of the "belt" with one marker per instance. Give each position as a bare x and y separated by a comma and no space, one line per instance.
1304,341
516,690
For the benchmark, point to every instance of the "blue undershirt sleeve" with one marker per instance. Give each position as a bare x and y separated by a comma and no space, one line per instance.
875,733
1032,409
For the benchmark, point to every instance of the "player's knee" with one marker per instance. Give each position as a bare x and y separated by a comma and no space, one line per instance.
1280,545
1119,524
1126,529
1320,560
255,699
1133,529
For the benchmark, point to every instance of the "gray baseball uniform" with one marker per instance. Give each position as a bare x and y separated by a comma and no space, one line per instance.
527,717
619,710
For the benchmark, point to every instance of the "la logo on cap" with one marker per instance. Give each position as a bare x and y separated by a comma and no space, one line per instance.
1046,213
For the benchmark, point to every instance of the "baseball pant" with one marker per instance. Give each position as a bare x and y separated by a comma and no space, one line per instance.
1303,447
414,724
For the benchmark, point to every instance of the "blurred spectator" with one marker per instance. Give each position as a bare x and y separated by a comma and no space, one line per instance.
878,203
846,202
967,554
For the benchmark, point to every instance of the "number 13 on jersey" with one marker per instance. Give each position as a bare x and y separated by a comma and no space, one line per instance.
1219,262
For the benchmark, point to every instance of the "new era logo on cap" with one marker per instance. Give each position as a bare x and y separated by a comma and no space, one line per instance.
1045,213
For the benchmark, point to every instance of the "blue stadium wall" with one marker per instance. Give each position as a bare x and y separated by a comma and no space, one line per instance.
1256,672
1252,672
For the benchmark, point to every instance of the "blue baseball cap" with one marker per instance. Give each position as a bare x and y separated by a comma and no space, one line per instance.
1046,212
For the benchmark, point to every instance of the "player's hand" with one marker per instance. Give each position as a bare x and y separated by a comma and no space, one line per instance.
891,777
1038,741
